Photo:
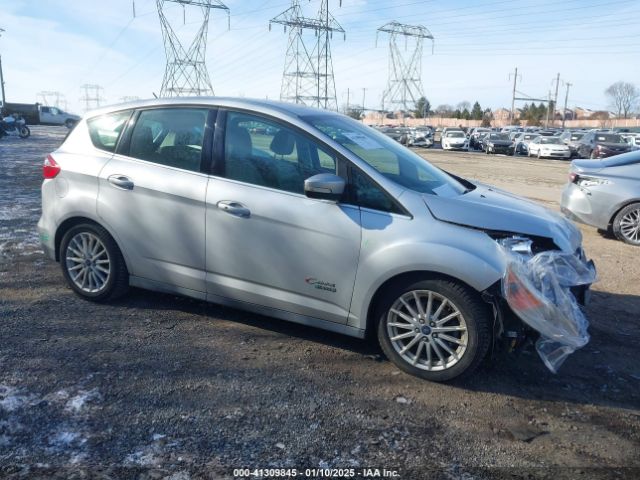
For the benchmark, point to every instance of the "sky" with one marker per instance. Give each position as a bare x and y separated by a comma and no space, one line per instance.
59,45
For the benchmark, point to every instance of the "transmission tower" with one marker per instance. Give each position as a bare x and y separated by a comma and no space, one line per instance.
92,96
308,72
129,98
404,87
186,72
52,99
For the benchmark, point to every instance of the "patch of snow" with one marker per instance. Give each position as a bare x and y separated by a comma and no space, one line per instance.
77,403
10,400
64,438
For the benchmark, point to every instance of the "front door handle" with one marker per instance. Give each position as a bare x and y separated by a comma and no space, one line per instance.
234,208
121,181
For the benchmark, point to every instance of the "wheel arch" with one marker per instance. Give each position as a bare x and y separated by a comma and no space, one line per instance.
71,222
408,277
619,208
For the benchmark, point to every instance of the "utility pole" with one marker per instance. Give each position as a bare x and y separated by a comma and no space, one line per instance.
364,90
546,122
513,96
2,83
1,76
555,100
566,99
347,100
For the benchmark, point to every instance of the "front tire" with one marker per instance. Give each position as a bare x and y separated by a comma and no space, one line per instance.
92,263
24,132
434,329
626,224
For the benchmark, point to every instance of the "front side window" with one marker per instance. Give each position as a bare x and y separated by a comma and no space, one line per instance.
387,156
106,129
369,195
263,152
170,136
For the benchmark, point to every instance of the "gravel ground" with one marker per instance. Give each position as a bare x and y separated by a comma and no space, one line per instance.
157,386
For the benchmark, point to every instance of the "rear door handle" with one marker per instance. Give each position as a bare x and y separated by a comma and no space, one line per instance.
234,208
121,181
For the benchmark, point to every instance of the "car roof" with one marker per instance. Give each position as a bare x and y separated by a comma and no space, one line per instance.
271,106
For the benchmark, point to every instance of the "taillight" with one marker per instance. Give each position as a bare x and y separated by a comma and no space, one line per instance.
574,177
50,168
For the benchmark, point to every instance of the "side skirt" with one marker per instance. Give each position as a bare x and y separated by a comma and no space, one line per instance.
250,307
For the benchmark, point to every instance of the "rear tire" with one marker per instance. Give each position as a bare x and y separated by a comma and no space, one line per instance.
429,346
92,263
626,224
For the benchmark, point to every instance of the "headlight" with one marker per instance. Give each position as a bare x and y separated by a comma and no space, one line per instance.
521,245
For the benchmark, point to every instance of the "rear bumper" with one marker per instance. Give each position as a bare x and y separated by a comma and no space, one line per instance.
47,239
576,204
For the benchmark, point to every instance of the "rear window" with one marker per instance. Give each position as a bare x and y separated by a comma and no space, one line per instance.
105,130
609,138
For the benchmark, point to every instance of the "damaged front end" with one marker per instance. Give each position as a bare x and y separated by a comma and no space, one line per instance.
544,290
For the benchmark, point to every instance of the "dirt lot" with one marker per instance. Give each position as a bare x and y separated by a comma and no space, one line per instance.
158,386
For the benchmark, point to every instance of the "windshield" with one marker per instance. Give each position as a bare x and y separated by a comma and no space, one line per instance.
576,136
609,138
455,135
499,136
387,156
551,140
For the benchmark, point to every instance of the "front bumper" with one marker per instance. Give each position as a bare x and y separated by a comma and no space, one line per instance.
500,149
548,154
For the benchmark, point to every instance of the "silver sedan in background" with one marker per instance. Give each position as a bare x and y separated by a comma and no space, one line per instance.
606,194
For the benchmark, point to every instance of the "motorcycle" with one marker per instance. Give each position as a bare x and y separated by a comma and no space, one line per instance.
14,126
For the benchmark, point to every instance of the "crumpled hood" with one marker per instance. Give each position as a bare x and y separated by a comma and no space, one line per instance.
493,209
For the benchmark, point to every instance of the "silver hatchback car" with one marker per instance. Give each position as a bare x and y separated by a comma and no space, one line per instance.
298,213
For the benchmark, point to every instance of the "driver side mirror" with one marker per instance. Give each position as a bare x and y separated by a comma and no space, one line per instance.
325,186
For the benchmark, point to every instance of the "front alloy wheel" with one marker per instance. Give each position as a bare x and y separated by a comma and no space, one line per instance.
435,329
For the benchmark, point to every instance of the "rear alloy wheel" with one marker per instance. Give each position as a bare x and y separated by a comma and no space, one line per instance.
626,224
435,329
92,263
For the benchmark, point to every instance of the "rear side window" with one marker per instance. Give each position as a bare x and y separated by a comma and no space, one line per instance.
170,136
105,130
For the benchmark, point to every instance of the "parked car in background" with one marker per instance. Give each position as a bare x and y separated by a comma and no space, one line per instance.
399,134
474,138
606,194
632,139
548,147
521,143
495,142
454,140
601,145
317,219
571,140
420,137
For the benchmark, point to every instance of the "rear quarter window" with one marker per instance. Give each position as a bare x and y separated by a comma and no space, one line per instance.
105,130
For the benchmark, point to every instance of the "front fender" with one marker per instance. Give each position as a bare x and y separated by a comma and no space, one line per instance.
468,255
